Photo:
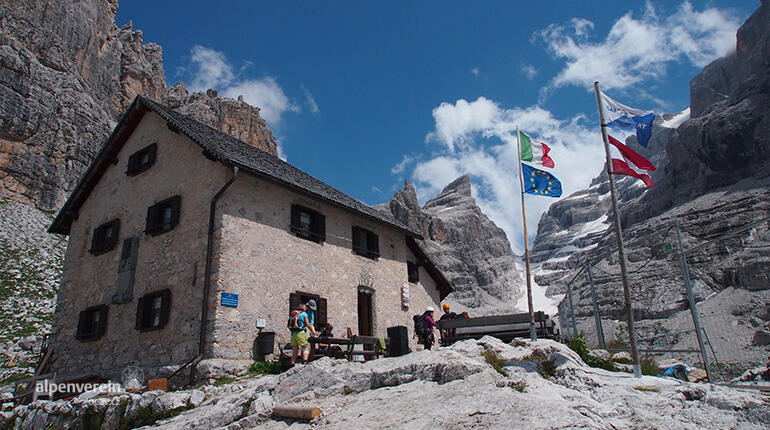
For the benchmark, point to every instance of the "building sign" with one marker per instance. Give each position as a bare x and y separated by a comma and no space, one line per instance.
405,295
230,300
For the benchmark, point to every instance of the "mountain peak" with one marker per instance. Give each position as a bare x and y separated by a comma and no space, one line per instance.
461,185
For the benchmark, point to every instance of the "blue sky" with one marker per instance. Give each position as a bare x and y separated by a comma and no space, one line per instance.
363,95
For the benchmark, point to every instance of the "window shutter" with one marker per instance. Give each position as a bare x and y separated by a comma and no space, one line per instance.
321,315
165,307
295,210
131,164
82,323
373,243
115,234
152,149
176,206
140,313
319,229
102,327
152,219
357,239
294,301
95,245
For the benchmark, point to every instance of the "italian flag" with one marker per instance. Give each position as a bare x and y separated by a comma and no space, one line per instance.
534,151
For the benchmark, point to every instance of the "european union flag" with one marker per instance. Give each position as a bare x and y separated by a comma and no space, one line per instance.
539,182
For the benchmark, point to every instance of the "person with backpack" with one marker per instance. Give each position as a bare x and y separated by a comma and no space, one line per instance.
298,322
428,324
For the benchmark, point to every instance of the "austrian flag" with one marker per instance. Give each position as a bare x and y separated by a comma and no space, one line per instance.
627,162
535,151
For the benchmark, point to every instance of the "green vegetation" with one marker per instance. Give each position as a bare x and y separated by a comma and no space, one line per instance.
519,386
649,366
546,369
265,368
15,377
348,390
580,346
493,360
91,420
224,381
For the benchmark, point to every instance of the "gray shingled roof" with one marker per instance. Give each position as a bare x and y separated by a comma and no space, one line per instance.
223,148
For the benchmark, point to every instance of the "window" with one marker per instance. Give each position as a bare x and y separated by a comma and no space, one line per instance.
365,243
141,160
298,297
163,216
152,310
105,237
308,224
413,271
92,323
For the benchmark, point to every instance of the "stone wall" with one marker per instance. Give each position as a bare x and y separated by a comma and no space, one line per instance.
173,260
259,259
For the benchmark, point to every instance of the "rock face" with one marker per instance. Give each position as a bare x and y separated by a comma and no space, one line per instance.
66,73
714,179
457,384
472,252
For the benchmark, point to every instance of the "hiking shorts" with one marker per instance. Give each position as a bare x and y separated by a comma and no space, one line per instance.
299,338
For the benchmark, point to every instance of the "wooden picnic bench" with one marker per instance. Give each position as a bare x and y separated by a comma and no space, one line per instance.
355,346
503,327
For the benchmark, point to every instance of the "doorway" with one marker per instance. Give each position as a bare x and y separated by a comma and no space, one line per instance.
365,312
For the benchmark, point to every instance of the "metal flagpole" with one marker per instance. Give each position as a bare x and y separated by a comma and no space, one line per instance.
532,331
619,236
597,316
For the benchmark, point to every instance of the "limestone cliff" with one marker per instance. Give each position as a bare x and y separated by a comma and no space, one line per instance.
473,253
67,72
713,177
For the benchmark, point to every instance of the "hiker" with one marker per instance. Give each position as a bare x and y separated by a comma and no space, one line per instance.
311,310
298,323
325,333
429,323
448,315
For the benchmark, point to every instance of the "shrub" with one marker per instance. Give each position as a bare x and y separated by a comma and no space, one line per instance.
546,369
493,360
580,346
265,368
649,366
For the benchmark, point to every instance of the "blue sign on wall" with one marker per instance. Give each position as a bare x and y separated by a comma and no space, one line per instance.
229,300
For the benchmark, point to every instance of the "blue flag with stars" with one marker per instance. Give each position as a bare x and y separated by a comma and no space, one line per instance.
540,182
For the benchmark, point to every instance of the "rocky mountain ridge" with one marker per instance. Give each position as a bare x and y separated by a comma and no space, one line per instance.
67,73
713,178
472,252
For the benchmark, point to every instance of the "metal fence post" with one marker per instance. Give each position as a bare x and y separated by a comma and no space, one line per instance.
691,298
597,316
572,309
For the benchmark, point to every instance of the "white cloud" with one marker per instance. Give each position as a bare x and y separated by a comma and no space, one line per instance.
212,70
475,71
529,71
487,152
310,101
264,93
639,49
401,165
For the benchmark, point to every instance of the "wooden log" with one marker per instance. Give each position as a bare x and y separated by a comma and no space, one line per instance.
296,412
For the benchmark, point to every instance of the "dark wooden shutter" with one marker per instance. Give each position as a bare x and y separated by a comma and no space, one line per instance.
165,307
140,304
294,300
132,163
373,243
152,219
95,242
319,227
102,327
295,210
115,225
176,207
82,325
152,149
321,314
357,236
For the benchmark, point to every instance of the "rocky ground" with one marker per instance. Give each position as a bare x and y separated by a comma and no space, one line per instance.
30,268
473,384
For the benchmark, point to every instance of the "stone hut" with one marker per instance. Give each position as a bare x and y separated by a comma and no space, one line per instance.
183,239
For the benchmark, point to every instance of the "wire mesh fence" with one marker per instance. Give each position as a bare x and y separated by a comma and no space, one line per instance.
690,282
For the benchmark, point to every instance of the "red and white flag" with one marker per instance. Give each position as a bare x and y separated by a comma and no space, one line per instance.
626,161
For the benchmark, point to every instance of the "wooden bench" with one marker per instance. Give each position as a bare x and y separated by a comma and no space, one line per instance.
355,346
503,327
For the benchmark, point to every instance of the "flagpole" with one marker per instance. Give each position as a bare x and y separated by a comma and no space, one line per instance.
532,331
619,236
